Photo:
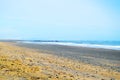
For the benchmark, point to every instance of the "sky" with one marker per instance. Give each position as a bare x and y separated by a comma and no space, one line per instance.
60,19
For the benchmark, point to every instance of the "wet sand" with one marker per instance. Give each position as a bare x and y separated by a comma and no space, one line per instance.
106,58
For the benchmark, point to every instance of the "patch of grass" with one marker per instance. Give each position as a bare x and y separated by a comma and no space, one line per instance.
17,68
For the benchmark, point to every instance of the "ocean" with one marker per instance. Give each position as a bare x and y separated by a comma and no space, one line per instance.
115,45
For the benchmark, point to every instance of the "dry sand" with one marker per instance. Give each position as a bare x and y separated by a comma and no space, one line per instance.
19,63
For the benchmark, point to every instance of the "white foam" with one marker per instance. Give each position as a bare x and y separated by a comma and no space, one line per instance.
78,45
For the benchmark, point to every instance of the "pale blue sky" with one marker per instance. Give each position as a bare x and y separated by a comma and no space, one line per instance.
60,19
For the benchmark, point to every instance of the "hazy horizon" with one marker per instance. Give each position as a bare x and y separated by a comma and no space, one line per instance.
60,20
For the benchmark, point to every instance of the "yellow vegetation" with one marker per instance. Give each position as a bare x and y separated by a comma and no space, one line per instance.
15,68
17,63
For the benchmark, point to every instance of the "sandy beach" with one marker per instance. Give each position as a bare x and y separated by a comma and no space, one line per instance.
20,61
99,57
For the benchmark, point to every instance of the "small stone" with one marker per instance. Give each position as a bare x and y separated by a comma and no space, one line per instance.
112,79
50,76
12,64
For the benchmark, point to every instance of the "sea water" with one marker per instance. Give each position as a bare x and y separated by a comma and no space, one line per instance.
115,45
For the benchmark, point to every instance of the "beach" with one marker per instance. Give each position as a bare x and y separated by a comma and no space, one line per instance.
95,56
22,61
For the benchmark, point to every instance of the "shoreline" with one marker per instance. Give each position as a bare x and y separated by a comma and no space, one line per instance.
97,46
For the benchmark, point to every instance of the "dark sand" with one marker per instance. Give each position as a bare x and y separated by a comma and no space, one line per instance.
99,57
